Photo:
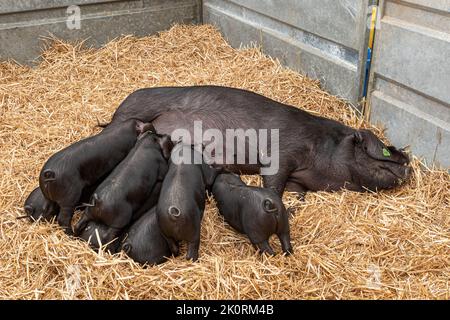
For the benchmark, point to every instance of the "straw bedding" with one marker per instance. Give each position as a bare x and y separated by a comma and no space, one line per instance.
389,245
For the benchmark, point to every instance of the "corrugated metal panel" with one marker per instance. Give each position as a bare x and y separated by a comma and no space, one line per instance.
23,22
325,39
411,76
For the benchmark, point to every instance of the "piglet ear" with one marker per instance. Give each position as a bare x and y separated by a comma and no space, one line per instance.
357,137
142,127
209,174
166,145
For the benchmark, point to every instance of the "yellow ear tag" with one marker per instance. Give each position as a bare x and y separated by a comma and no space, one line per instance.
386,152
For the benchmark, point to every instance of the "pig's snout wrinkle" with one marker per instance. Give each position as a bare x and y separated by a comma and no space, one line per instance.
174,211
269,206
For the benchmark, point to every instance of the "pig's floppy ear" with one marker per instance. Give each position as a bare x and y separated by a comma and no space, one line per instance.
166,145
373,146
357,137
142,127
210,173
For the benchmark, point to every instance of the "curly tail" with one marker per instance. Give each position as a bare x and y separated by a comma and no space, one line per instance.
174,212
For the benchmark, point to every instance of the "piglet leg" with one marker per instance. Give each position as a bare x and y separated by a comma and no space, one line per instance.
173,246
264,247
298,188
65,219
192,252
285,240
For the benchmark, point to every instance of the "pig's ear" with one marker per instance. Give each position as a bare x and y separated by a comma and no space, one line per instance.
166,145
142,127
209,174
358,137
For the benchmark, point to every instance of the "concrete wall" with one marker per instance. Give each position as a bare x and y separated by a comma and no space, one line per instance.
411,76
23,22
324,39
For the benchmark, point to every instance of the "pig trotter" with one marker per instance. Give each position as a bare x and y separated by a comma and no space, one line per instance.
285,240
65,219
264,247
173,246
192,253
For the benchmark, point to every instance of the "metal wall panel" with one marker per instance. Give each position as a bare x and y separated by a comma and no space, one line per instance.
324,39
23,22
411,77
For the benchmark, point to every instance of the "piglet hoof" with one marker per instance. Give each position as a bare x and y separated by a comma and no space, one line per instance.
68,231
174,247
288,252
264,247
192,258
192,253
301,196
66,226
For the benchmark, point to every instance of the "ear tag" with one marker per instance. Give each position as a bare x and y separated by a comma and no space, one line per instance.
386,152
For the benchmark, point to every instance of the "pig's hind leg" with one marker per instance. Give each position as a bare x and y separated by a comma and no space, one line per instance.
285,240
193,247
173,246
67,206
65,218
192,253
264,247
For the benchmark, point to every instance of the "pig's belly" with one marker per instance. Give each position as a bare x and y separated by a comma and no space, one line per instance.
168,122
